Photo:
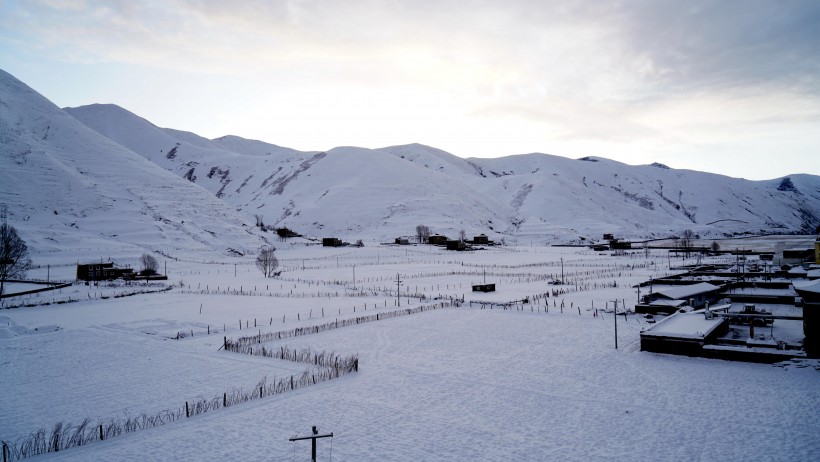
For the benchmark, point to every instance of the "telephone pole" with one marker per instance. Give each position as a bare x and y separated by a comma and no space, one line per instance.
398,290
615,312
562,270
312,439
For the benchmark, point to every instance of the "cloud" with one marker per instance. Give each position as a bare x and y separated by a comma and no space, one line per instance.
620,51
648,76
722,44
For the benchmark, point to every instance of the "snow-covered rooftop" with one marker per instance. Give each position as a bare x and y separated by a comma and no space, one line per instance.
684,325
683,292
811,286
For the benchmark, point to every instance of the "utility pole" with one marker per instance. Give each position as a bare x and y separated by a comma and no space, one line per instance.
312,439
562,270
616,323
398,290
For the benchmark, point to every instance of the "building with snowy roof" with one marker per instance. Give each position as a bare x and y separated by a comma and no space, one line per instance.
699,294
668,299
810,293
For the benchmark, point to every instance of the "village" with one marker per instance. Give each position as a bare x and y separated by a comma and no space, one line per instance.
733,291
755,303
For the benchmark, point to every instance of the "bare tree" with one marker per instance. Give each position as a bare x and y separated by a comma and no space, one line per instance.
715,247
14,259
462,236
149,264
266,261
687,241
422,233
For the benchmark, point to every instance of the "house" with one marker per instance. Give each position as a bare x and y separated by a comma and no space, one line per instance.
102,272
810,293
817,250
798,256
616,244
286,233
332,242
437,239
699,294
671,298
683,333
402,241
481,239
456,245
609,236
483,287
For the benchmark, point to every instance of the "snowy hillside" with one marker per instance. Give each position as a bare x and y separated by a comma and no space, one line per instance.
593,195
348,192
354,192
67,186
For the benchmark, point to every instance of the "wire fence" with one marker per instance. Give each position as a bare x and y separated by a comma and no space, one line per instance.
327,366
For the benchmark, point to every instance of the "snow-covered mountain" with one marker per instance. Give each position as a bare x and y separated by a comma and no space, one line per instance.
348,192
352,192
66,185
71,185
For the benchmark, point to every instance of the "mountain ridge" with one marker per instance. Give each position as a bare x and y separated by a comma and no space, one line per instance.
525,196
67,185
98,161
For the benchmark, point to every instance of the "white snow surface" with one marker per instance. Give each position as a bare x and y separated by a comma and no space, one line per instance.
458,383
685,325
683,292
453,384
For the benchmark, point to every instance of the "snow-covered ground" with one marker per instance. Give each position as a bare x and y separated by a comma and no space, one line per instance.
458,383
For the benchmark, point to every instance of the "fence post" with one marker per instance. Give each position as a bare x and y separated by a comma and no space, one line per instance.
225,399
102,437
187,413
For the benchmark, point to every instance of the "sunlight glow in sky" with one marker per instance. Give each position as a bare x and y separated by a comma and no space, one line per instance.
730,86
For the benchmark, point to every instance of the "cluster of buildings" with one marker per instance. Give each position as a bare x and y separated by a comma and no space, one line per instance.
109,271
751,312
450,244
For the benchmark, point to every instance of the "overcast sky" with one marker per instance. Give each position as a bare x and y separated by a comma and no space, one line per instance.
731,87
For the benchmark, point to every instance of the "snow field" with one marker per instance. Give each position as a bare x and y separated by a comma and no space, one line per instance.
495,385
458,383
110,371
